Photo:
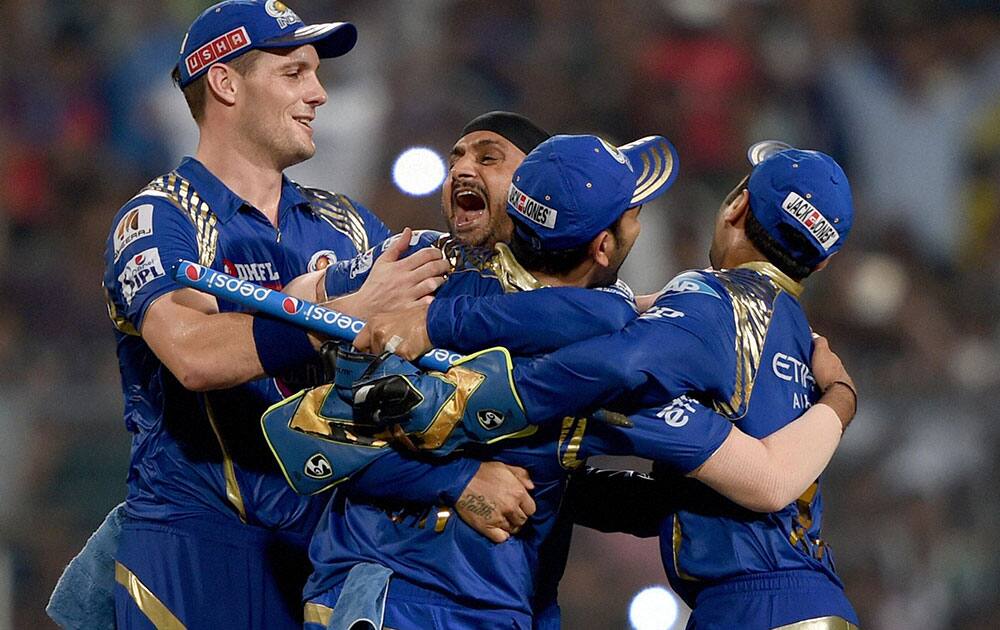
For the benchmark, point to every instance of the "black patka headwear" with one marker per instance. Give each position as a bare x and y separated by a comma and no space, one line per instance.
517,129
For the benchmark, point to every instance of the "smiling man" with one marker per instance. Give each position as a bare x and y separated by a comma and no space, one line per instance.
212,536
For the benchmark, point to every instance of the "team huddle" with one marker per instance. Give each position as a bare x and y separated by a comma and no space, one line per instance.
382,496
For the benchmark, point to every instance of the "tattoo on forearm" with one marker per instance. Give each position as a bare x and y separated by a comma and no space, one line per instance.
476,504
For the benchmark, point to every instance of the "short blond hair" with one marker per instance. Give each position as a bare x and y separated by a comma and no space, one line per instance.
196,92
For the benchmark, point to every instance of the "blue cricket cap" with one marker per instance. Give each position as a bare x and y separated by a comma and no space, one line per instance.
803,191
229,29
569,188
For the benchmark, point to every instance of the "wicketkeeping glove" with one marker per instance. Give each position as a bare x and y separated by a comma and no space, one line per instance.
473,402
313,434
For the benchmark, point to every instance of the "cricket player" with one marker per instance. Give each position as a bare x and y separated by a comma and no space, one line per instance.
483,159
733,337
212,536
441,570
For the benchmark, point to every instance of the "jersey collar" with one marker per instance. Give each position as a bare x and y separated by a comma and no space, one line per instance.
510,273
224,202
779,277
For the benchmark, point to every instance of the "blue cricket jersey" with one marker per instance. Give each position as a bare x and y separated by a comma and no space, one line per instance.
202,454
736,340
425,544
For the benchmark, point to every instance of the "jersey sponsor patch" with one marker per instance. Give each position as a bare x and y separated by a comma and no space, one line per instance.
812,219
254,272
530,209
689,282
790,369
321,260
677,413
135,224
620,288
661,312
361,264
139,271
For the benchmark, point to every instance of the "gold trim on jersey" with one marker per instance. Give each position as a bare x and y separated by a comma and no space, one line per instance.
820,623
676,538
320,614
338,211
814,547
510,273
571,435
753,302
233,493
317,613
443,514
779,277
182,194
147,603
120,322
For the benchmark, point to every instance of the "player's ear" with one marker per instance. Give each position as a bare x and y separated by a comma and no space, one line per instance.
601,247
737,208
222,83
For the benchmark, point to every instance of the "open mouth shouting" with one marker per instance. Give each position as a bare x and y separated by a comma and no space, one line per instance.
469,208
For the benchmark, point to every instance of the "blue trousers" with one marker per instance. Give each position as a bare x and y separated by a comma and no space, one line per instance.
409,607
769,601
201,573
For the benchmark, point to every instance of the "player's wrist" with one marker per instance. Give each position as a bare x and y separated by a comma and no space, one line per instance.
280,346
842,397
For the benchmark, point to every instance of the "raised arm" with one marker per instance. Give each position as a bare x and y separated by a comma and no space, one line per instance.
764,474
526,323
177,322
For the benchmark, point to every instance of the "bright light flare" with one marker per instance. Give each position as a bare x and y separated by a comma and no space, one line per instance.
653,608
418,171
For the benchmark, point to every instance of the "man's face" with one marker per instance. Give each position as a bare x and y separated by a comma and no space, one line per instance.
474,195
280,96
625,237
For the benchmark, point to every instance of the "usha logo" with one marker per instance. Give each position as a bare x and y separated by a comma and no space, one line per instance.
223,45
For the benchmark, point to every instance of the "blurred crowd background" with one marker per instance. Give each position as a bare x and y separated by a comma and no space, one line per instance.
904,93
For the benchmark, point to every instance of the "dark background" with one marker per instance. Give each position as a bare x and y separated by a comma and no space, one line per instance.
903,93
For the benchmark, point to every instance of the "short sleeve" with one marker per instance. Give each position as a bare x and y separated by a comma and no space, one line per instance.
682,435
149,236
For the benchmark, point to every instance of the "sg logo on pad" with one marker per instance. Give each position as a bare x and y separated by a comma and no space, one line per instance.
318,467
489,419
